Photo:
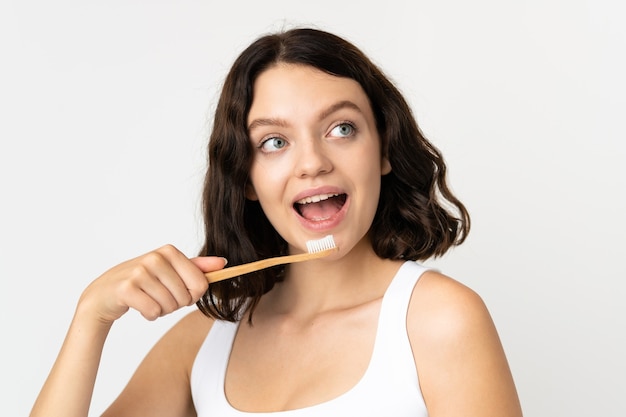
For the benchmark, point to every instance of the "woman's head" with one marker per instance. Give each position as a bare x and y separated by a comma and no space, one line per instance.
411,221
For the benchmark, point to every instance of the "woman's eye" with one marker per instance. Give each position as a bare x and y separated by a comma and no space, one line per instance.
273,144
343,130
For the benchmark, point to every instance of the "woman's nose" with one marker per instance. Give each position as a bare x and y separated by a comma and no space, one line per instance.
312,159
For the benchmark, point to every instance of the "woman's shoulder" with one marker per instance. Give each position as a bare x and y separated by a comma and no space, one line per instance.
191,329
161,382
439,299
444,311
182,342
457,350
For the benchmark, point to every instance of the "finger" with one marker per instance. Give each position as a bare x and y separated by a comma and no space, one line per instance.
182,276
144,303
209,263
146,278
162,296
191,271
165,266
197,282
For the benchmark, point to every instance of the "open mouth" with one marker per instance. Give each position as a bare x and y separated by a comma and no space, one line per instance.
320,207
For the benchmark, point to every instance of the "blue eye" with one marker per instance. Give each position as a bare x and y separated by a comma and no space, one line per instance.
273,144
344,129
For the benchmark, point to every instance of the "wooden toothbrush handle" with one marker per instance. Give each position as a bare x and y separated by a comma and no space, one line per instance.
235,271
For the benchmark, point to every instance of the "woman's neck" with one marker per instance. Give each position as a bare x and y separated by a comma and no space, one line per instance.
317,286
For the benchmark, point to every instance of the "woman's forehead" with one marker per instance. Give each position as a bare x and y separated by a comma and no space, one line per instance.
294,89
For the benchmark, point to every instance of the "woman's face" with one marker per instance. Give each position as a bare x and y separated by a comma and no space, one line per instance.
317,163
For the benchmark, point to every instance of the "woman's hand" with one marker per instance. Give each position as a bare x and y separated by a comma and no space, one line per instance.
155,284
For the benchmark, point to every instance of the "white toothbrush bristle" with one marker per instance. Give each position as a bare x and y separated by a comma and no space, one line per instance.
319,245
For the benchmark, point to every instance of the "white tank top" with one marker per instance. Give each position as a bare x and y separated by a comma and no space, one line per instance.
389,387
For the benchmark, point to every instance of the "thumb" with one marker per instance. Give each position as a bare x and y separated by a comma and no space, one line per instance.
209,263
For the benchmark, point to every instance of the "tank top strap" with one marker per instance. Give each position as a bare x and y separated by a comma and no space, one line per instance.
398,295
393,354
209,369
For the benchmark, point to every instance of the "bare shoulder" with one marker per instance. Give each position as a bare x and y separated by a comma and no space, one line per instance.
192,328
445,314
442,307
161,383
184,338
460,361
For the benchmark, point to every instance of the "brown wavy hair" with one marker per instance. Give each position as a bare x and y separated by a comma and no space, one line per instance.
418,217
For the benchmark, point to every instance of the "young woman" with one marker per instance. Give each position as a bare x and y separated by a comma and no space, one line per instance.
309,139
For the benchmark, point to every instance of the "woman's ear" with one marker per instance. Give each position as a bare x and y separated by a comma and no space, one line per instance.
251,193
385,166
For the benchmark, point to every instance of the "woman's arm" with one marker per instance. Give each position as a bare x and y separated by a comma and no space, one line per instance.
461,364
155,284
69,386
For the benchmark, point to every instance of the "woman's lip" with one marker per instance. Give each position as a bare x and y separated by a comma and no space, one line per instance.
317,198
326,224
317,191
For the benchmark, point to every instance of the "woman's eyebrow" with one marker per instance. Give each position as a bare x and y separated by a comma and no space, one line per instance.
271,121
267,122
344,104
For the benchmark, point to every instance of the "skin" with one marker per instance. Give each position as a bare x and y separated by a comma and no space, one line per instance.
298,125
318,136
155,284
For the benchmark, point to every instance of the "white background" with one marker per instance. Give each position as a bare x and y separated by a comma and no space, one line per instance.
104,113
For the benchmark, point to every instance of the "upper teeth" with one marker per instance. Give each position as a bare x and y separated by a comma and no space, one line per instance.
316,198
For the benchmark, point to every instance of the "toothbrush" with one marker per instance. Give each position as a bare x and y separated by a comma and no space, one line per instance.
315,249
